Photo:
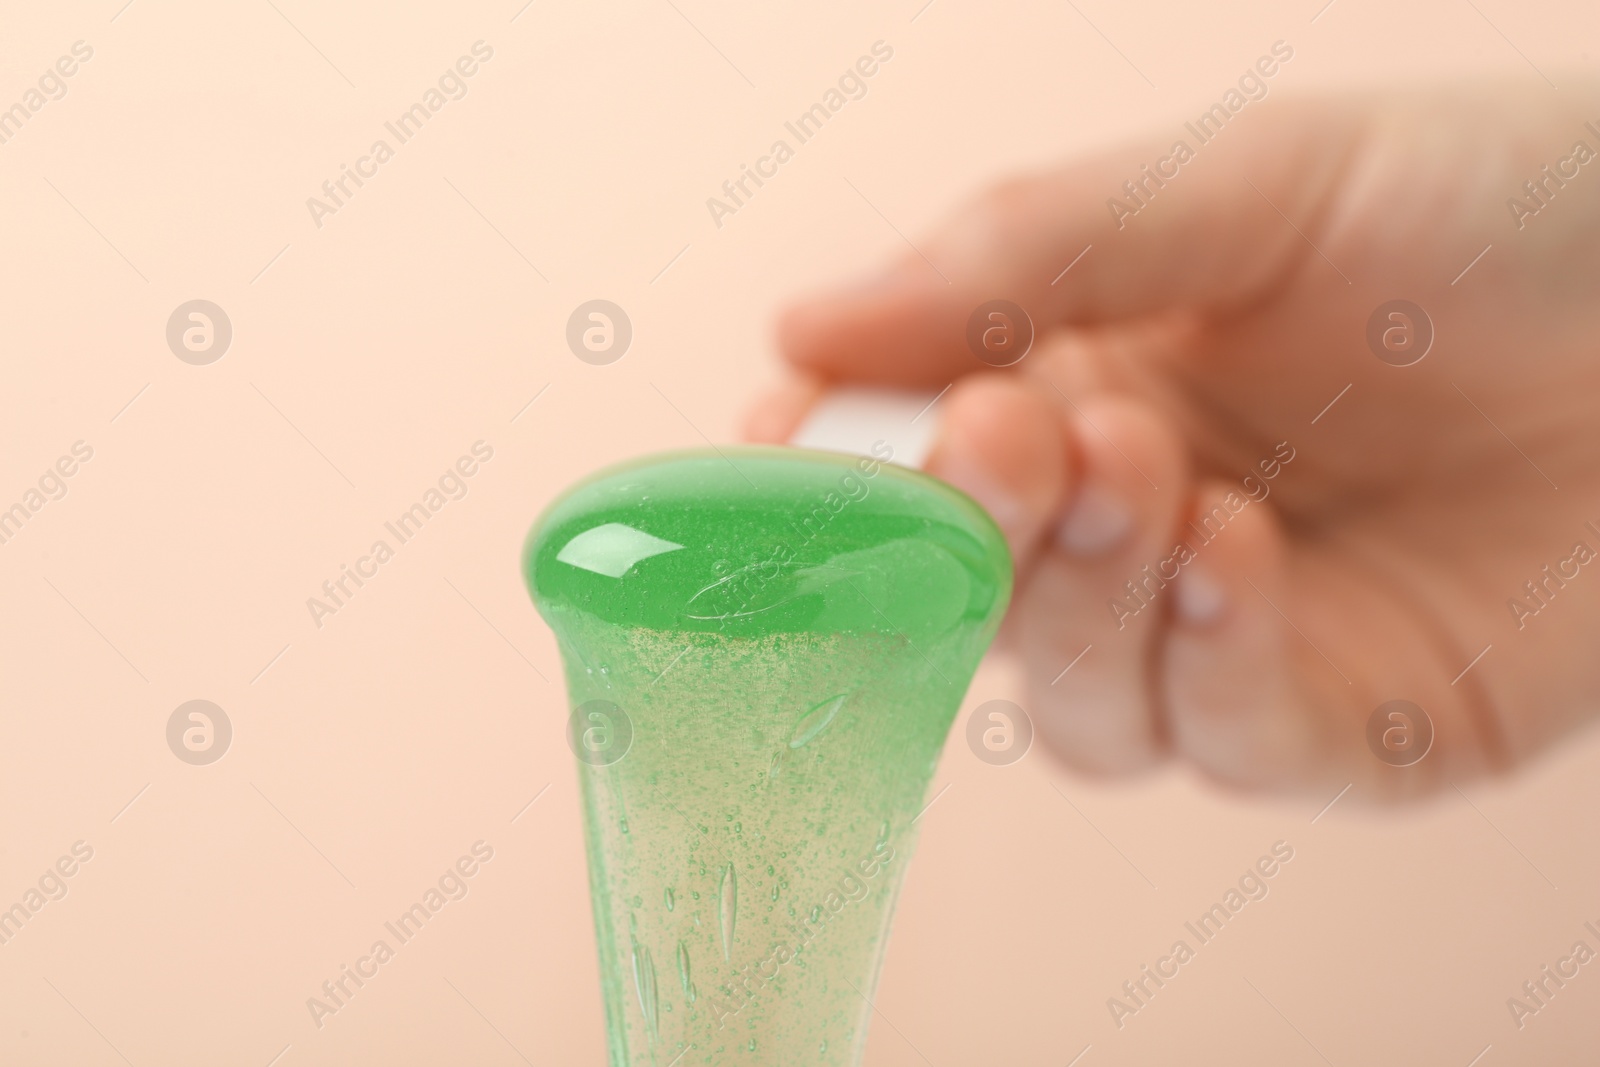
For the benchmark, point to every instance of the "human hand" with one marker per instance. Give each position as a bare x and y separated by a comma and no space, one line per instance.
1357,531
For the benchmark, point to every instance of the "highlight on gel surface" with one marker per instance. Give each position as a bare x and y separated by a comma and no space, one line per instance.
764,650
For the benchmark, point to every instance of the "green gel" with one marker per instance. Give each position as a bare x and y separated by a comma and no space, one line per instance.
764,650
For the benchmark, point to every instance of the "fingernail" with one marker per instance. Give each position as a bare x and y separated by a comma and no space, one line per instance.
1004,507
1201,598
1096,523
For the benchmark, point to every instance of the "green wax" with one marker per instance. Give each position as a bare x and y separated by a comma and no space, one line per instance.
764,650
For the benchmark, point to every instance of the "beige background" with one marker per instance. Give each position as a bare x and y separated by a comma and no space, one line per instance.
370,353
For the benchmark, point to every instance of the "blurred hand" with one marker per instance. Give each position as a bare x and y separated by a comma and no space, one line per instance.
1186,364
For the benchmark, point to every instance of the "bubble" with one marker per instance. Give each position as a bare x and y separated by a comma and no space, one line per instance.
727,909
644,983
816,719
684,978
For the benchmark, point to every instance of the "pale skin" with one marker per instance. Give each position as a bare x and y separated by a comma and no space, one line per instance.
1204,333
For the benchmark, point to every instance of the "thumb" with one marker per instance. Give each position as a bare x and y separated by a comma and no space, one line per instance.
1209,217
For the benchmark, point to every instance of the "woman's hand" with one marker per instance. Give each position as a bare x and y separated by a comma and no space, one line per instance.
1309,530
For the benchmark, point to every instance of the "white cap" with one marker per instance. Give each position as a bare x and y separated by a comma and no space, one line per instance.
851,419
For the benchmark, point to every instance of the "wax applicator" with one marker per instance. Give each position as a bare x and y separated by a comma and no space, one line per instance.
764,650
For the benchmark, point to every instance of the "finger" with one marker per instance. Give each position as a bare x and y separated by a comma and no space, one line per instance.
1088,665
1003,444
1079,246
1269,684
1229,671
1133,358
